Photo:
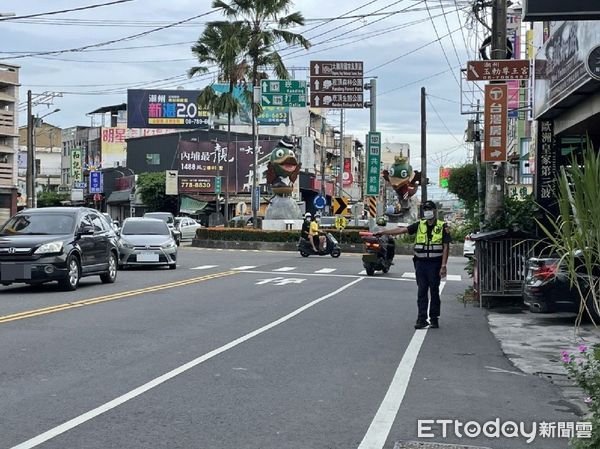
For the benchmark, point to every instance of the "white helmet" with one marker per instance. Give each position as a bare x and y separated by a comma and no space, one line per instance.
307,215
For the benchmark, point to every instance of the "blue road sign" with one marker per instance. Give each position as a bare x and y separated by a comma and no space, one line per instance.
319,202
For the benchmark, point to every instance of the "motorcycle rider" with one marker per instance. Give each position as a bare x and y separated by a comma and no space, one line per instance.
387,240
316,237
305,232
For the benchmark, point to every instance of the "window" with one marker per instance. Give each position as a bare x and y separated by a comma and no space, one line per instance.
38,166
153,158
97,223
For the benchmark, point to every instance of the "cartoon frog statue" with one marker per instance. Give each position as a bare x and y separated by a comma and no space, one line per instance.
283,168
402,178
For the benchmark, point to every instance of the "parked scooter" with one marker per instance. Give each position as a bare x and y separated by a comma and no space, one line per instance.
378,254
332,247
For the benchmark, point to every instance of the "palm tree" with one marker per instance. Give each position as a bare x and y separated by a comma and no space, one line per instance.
223,44
267,22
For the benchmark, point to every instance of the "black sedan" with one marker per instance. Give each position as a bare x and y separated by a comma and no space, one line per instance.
57,244
547,288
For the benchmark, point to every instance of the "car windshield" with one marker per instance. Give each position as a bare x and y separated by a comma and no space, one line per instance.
39,224
145,227
164,216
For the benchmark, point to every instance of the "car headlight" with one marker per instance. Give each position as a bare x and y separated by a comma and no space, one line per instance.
50,248
170,244
124,244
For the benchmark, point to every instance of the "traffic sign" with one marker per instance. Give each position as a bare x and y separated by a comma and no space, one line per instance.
336,84
498,70
592,63
339,205
287,93
341,222
319,202
373,162
217,184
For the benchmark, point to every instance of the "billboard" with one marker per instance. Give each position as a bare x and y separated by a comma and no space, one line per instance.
113,146
198,162
554,10
76,166
562,64
165,109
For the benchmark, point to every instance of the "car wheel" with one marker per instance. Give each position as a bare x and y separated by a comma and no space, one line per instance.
172,266
370,271
71,282
111,274
335,253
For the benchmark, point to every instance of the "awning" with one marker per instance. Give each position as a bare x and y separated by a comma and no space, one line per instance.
191,206
119,196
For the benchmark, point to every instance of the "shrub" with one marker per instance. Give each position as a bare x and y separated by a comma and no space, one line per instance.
259,235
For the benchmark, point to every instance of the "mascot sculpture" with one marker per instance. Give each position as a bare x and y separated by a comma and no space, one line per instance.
405,181
282,172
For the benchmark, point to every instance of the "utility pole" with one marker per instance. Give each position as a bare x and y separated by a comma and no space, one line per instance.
341,161
477,155
29,181
494,194
423,146
255,196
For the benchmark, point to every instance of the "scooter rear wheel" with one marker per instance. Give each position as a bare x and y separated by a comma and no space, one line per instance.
385,269
303,253
335,253
370,271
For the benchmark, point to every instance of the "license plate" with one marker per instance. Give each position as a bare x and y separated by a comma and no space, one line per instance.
13,271
147,257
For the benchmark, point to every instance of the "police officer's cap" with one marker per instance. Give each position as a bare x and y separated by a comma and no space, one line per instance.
429,205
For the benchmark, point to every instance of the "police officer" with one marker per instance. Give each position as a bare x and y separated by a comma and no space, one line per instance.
432,243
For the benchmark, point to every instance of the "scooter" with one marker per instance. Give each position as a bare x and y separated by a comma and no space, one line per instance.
377,256
332,247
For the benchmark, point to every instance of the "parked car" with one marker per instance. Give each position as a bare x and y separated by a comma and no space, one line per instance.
469,246
147,241
547,288
60,244
109,219
168,218
187,227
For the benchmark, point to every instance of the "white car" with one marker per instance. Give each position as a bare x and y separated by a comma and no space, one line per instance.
187,227
469,246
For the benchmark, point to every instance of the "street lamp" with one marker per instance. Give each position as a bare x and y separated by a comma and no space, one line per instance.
32,124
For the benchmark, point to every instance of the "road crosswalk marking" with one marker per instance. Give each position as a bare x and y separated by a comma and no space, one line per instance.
326,270
244,267
204,267
285,269
450,277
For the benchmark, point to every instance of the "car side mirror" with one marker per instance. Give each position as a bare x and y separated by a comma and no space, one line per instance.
86,230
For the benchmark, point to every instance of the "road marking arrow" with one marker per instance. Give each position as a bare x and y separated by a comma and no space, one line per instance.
265,100
317,84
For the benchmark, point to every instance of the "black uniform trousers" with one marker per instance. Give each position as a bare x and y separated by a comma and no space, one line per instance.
427,272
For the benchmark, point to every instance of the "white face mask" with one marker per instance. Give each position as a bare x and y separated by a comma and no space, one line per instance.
428,214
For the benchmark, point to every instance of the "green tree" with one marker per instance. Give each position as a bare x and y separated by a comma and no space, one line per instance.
152,191
268,22
223,44
463,183
51,199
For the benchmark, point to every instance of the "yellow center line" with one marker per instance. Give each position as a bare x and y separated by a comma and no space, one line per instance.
111,297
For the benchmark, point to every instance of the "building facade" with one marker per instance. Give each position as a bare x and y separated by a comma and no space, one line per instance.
9,139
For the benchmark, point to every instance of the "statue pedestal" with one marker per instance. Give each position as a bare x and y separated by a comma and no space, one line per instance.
282,225
283,208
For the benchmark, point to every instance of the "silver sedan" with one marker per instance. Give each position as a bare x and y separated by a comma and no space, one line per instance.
147,241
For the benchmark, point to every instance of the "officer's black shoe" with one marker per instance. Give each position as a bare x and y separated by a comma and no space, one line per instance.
421,324
434,323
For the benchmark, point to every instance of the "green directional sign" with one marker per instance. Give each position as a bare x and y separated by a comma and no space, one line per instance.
286,93
217,184
373,162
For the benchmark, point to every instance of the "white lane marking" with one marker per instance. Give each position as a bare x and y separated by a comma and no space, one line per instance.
280,281
326,270
409,275
244,267
68,425
352,276
382,423
204,267
362,273
285,269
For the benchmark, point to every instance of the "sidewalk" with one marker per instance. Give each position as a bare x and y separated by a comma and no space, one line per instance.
533,342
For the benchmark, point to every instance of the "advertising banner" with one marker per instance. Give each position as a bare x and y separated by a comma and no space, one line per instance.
209,159
76,166
495,123
113,145
165,109
546,165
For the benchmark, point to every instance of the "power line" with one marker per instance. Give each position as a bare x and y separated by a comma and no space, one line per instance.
133,47
442,120
99,5
441,45
417,81
101,44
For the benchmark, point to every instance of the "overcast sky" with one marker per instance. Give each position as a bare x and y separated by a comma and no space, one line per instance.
398,39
